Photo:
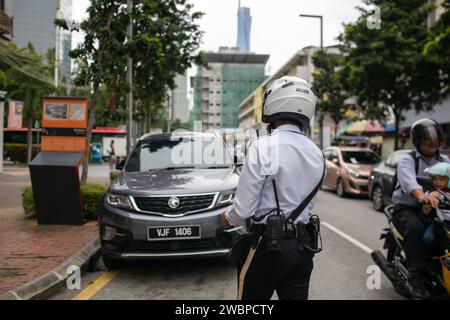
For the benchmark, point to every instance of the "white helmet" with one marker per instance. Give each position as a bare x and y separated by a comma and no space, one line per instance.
289,98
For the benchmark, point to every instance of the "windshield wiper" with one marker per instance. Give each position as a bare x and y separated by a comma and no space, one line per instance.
218,167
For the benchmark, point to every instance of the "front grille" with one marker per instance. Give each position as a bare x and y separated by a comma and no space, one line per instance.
176,245
187,204
364,188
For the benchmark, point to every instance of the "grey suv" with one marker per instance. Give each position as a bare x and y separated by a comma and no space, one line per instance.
168,198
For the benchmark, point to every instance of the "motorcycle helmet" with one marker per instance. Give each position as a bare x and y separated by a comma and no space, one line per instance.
289,98
426,129
440,169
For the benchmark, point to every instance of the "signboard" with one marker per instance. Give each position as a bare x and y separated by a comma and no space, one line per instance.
64,123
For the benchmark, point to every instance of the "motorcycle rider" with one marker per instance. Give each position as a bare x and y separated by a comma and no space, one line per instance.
427,137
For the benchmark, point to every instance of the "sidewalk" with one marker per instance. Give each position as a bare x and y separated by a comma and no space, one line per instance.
33,257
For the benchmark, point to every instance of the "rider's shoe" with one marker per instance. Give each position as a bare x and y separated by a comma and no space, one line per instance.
416,287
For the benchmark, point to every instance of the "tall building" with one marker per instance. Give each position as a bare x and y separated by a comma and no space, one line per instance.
34,23
180,102
219,89
244,28
6,20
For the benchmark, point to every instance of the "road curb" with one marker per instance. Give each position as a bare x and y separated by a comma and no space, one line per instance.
53,280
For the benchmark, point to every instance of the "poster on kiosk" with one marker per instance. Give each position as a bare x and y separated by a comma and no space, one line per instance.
55,170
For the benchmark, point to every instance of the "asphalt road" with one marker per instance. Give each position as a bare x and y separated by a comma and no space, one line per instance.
350,229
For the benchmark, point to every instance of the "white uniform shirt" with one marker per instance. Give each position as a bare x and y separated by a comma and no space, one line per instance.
290,158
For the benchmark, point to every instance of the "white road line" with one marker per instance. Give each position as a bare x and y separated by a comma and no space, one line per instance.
347,237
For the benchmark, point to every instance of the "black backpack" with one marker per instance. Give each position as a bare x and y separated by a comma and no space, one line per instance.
416,165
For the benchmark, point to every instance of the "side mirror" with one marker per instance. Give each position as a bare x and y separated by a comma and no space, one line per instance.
120,164
335,161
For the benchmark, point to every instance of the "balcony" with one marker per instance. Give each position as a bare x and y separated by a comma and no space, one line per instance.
6,25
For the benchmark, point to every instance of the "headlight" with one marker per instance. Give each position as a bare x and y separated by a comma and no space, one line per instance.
117,200
225,198
353,173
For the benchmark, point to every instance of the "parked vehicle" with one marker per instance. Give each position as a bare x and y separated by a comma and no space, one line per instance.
380,180
159,207
348,169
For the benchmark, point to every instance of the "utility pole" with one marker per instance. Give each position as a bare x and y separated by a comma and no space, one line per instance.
169,110
2,112
57,50
130,80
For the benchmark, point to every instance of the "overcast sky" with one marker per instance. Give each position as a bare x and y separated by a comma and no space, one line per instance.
276,29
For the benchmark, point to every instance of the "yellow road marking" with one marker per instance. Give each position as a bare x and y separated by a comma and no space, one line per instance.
92,289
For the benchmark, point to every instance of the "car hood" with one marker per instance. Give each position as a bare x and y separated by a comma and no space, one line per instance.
176,181
363,169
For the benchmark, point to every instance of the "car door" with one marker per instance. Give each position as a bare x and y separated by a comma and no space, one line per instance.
333,168
327,155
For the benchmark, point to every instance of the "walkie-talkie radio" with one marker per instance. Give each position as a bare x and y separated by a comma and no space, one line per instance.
274,227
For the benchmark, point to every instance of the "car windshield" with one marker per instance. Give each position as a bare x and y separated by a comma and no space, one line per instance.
177,153
360,157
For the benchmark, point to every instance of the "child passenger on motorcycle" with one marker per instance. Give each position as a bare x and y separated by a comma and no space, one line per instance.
435,237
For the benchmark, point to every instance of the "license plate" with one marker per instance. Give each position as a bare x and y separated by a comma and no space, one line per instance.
174,233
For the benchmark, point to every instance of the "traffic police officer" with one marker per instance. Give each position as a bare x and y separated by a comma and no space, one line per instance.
427,137
296,164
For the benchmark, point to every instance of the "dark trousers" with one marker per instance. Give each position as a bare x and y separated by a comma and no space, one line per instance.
412,225
288,273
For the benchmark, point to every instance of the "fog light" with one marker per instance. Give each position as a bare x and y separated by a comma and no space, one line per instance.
109,233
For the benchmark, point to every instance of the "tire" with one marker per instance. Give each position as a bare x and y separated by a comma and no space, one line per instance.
340,189
377,198
112,264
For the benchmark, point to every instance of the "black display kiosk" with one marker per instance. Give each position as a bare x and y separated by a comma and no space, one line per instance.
56,188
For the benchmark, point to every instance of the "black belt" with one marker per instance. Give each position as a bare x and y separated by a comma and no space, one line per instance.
287,233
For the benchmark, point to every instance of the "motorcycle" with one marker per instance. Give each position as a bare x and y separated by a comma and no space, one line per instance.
393,265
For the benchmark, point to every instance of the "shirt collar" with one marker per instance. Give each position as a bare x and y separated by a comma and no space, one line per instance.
419,155
289,127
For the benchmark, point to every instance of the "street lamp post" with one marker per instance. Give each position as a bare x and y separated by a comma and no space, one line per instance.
321,25
2,112
321,48
130,81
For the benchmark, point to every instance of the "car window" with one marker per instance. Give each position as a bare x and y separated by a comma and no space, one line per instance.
360,157
154,154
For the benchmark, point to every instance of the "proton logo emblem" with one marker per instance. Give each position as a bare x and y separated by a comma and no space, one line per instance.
173,202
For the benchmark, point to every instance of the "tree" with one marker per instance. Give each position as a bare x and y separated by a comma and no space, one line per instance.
22,84
329,85
386,68
165,35
438,46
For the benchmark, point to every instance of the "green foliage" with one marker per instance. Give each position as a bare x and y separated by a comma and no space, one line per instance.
28,200
438,46
91,194
329,85
165,36
17,152
114,174
386,67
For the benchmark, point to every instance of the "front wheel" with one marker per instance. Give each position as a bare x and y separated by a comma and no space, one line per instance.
340,188
112,264
377,198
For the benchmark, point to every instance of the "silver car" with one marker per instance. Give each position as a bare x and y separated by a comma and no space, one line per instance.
168,198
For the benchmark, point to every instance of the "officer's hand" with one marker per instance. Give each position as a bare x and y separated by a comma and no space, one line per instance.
224,220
